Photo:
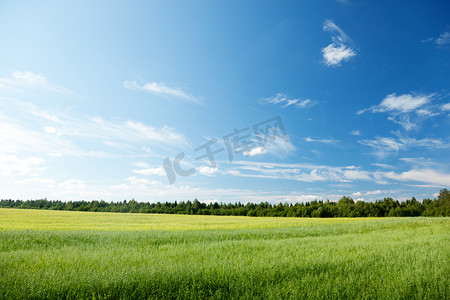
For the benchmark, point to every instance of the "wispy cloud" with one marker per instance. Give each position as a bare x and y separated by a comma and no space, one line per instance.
160,88
34,140
404,121
286,101
49,183
158,171
356,132
325,141
72,184
134,183
420,162
255,151
446,107
399,104
129,131
21,82
279,146
63,134
376,192
337,51
426,113
422,175
298,172
207,171
12,165
443,39
405,109
385,166
384,146
385,143
324,173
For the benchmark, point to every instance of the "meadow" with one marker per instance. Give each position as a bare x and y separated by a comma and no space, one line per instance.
86,255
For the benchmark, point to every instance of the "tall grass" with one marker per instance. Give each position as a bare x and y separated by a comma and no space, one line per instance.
364,259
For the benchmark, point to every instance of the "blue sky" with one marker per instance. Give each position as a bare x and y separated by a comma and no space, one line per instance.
350,98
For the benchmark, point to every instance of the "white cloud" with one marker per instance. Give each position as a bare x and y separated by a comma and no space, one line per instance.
337,51
69,135
141,181
29,77
72,184
19,139
405,110
285,101
11,165
385,166
306,103
35,180
443,39
399,104
161,88
426,112
403,103
325,141
255,151
134,183
21,79
298,172
338,34
422,175
404,121
165,134
279,146
426,142
49,129
159,171
356,175
384,145
19,82
420,162
334,53
377,192
54,154
208,171
323,173
445,106
355,132
142,165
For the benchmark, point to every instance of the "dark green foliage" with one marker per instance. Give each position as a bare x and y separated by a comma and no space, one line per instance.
345,207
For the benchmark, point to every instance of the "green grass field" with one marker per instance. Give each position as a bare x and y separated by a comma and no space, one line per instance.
61,254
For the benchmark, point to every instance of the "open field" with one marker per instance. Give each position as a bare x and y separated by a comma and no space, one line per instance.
60,254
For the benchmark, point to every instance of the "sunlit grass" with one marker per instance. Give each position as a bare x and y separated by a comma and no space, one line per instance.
74,220
113,256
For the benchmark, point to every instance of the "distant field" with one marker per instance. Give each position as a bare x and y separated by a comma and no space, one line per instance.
74,220
61,254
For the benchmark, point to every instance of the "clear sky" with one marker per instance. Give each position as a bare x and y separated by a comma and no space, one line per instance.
296,100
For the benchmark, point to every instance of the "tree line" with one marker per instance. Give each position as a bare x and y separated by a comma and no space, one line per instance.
345,207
